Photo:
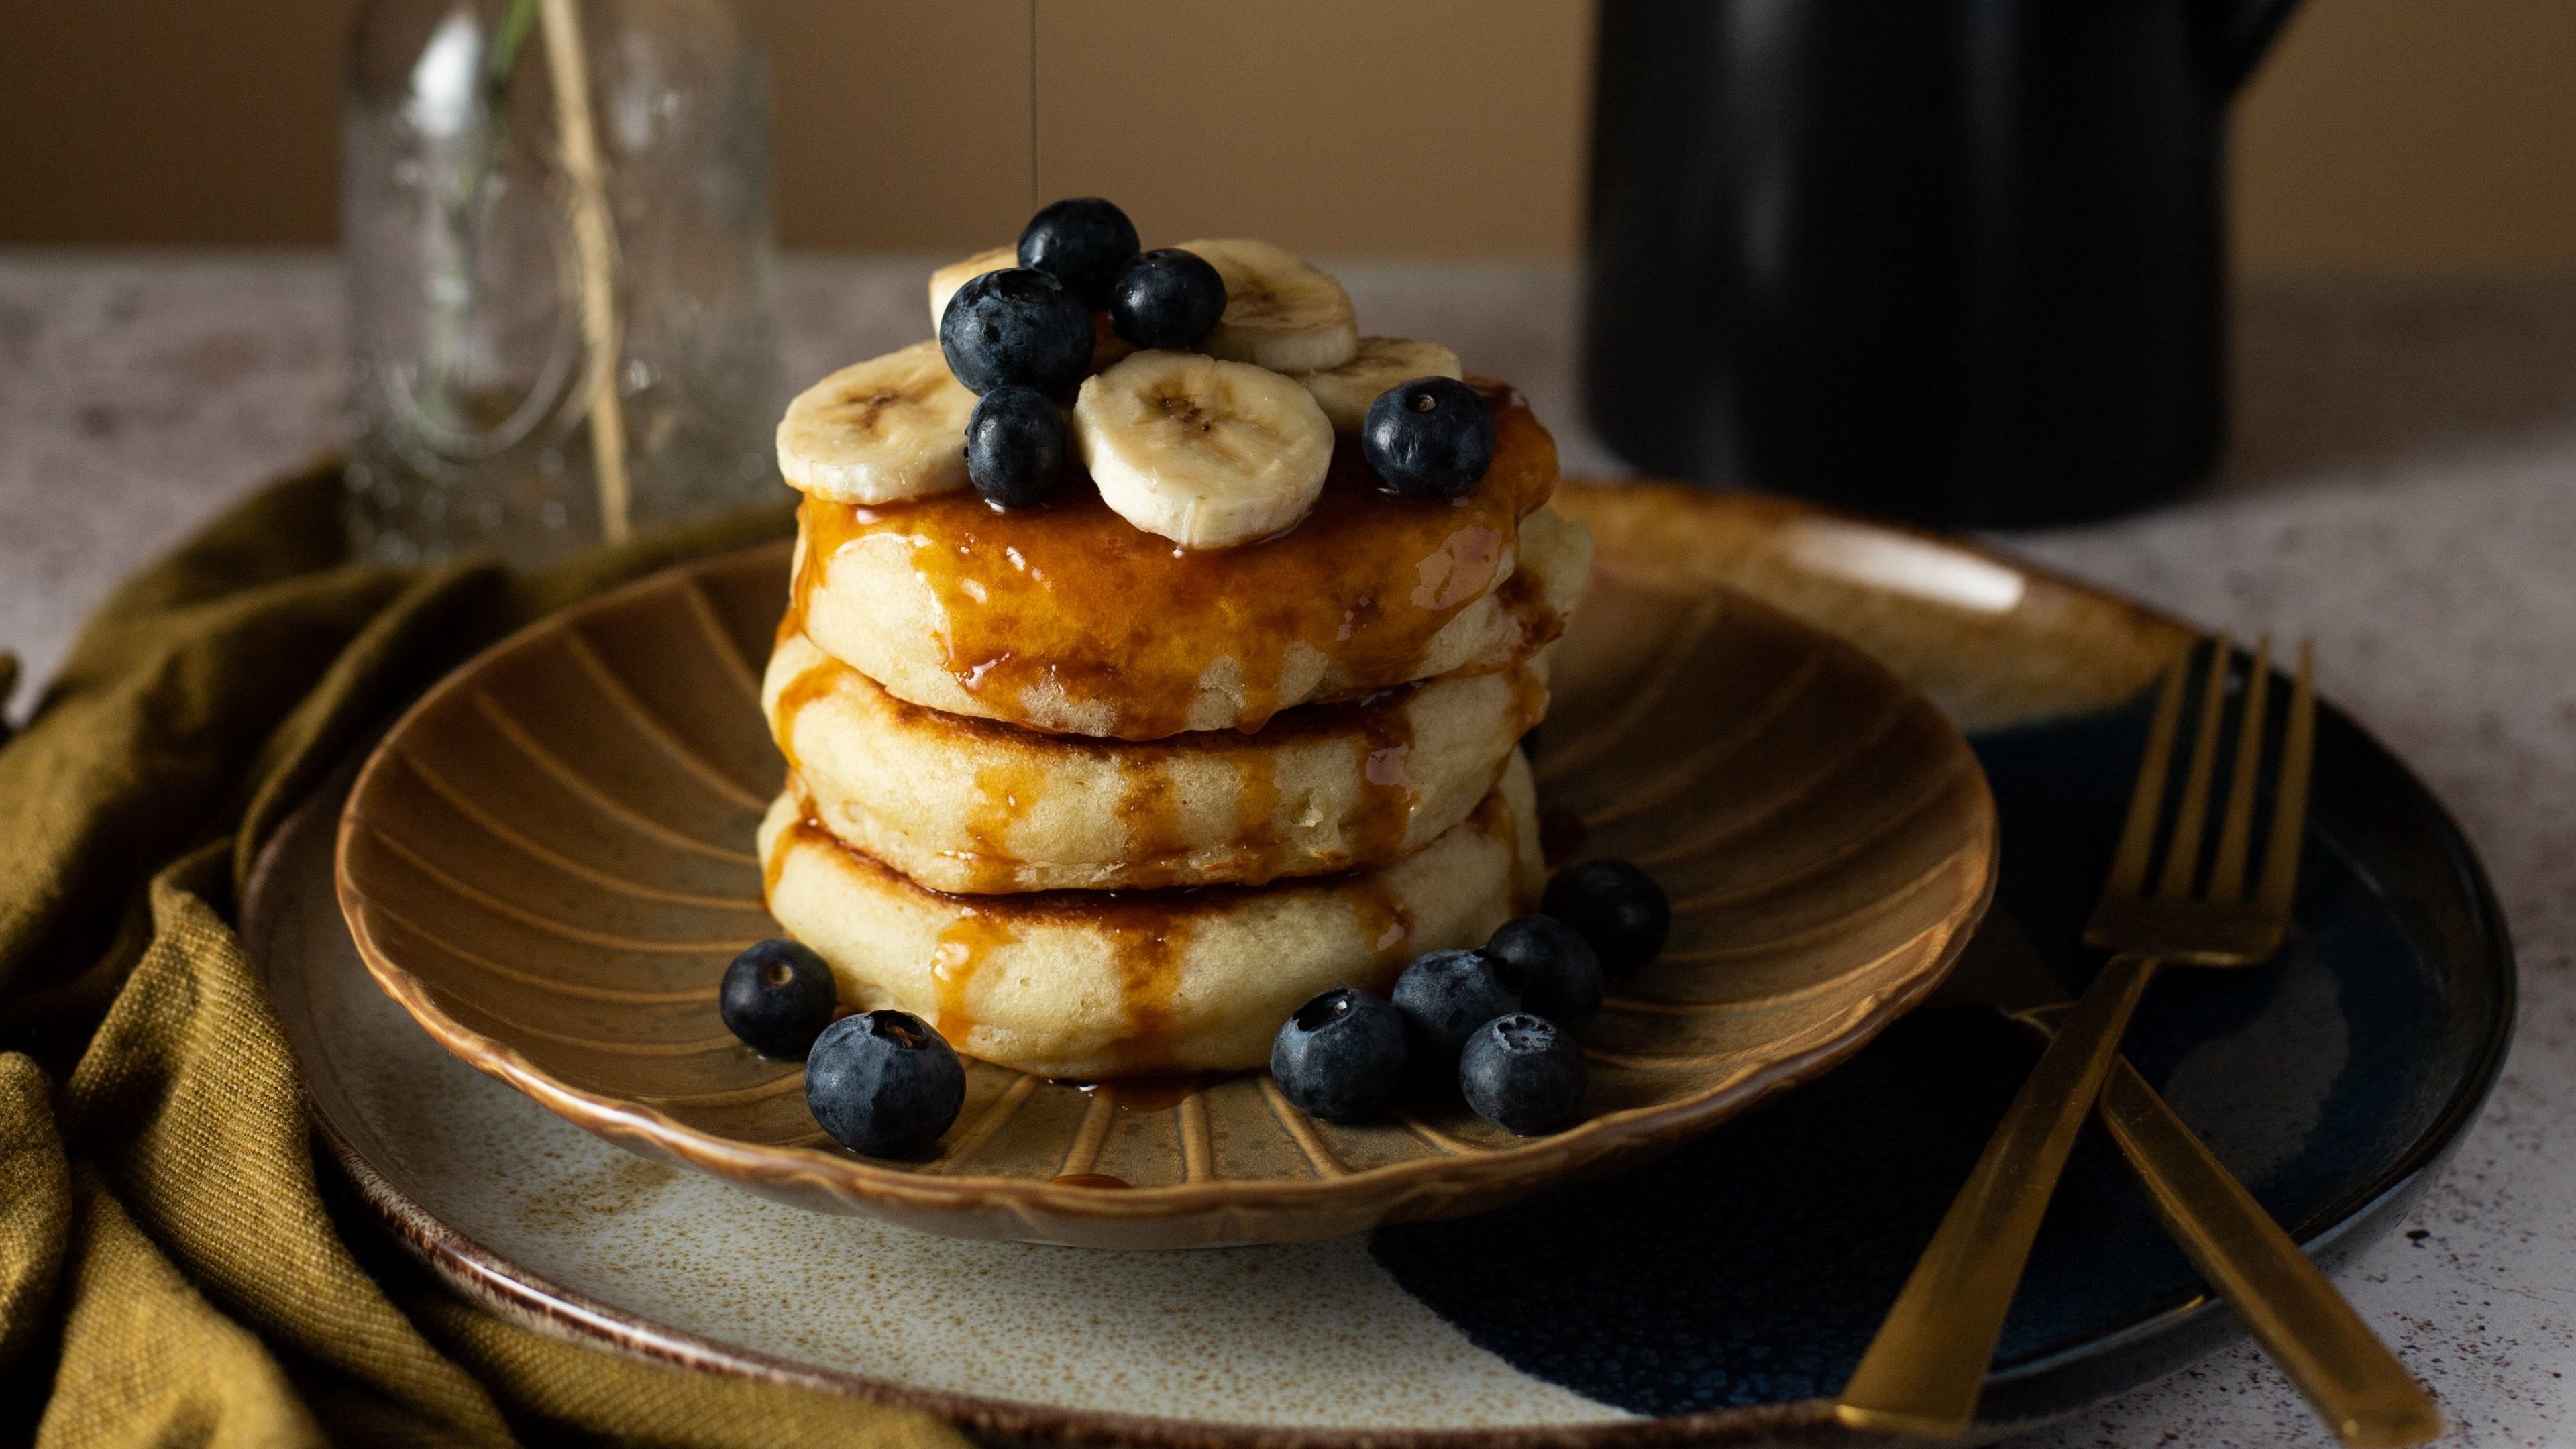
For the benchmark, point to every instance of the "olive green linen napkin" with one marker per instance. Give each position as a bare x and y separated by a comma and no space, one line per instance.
170,1270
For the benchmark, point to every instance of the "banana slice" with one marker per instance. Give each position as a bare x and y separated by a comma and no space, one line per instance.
945,282
1345,392
1279,312
1204,452
890,428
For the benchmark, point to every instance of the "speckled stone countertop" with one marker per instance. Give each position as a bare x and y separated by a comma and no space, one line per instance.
2402,487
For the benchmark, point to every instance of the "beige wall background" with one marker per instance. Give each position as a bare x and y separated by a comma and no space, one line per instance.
2393,136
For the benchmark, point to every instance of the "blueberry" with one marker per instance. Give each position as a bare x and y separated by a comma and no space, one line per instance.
1563,973
1429,438
1524,1074
1081,241
1015,447
1341,1056
777,997
883,1083
1446,995
1166,298
1617,907
1016,326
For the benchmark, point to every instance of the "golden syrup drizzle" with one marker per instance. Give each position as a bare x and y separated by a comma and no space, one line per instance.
802,576
1384,810
1005,792
1256,805
801,831
1530,699
965,944
813,683
1073,599
1147,939
1387,927
1539,622
1149,806
1148,931
1148,934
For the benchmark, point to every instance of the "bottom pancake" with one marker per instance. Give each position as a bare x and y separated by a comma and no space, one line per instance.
1097,984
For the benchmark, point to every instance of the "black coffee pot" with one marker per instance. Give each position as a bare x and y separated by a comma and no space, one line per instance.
1959,261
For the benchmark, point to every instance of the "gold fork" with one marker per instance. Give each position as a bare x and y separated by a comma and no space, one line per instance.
2364,1394
1923,1372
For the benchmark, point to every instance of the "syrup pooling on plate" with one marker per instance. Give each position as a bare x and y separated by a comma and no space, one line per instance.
1073,598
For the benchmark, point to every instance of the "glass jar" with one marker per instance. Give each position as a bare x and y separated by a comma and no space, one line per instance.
562,322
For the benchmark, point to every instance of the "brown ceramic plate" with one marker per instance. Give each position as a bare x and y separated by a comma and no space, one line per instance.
548,863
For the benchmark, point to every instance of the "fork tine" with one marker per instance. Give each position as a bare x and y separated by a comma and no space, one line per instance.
2147,798
2227,872
2182,858
2290,799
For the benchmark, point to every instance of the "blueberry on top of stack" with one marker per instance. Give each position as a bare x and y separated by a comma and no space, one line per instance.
1155,657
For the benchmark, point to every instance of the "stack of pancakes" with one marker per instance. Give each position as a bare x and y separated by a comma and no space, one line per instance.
1098,806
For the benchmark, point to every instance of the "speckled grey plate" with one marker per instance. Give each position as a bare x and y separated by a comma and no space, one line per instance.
1720,1295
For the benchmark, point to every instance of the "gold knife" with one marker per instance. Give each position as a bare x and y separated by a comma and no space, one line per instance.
2365,1395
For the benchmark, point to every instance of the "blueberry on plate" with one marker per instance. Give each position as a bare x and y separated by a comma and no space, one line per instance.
777,996
1341,1056
1081,241
1431,438
1523,1074
1617,907
1015,447
1166,298
1564,975
1446,995
883,1083
1017,325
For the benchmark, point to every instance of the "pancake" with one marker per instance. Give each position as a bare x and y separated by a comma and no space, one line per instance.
1068,618
963,804
1097,984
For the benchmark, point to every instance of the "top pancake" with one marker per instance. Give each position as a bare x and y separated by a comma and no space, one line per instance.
1067,618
